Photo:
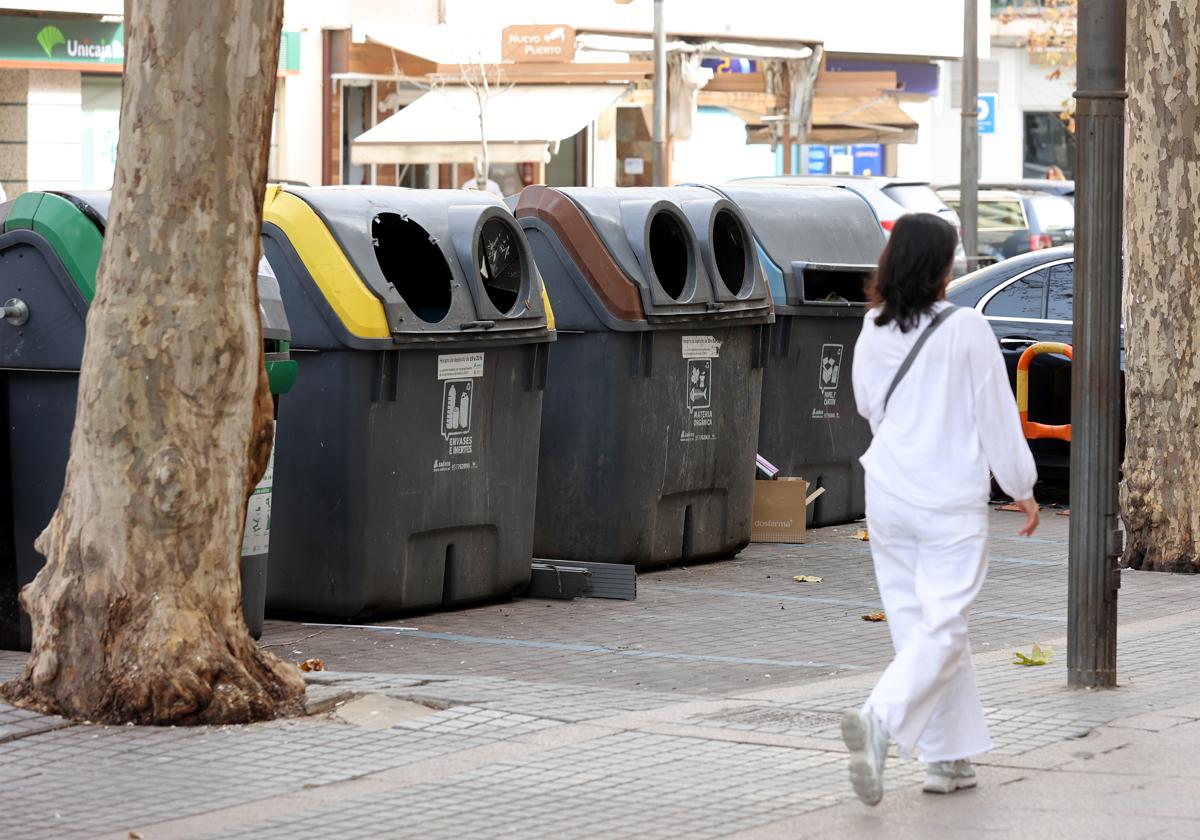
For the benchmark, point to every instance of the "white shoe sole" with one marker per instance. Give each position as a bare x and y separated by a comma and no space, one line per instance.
950,786
866,780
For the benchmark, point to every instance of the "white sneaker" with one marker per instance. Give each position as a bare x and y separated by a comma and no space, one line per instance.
949,776
868,744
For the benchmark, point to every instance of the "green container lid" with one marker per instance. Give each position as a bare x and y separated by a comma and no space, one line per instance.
74,237
78,241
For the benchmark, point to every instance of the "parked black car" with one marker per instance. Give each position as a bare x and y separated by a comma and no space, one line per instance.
1028,299
1013,222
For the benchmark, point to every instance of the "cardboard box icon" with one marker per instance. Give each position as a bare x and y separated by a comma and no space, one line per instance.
780,510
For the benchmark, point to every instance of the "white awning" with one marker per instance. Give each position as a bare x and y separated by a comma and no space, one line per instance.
439,44
520,121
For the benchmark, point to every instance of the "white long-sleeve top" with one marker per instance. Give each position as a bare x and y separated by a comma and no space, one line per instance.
950,421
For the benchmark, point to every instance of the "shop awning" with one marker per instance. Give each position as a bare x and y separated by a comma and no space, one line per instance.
520,122
848,119
852,119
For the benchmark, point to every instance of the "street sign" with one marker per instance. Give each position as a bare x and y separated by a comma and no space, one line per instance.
818,160
868,158
539,42
987,113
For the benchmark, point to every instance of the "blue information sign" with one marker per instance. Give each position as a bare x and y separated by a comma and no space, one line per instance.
818,160
987,113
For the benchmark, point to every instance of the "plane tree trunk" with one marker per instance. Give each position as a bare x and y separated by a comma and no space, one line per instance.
137,613
1161,492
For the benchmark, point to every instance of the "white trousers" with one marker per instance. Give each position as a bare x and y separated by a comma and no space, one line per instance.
930,566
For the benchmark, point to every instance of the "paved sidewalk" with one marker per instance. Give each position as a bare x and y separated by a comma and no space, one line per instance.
706,708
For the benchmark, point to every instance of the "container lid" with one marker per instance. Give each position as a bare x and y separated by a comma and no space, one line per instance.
816,229
411,265
74,224
656,254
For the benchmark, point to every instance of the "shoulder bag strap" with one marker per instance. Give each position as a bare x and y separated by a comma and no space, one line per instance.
916,348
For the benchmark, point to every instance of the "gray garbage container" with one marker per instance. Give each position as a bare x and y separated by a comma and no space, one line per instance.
818,246
651,414
420,328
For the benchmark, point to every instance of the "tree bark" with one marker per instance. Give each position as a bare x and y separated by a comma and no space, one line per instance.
1161,492
137,613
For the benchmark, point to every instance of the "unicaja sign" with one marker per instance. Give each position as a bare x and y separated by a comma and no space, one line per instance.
49,37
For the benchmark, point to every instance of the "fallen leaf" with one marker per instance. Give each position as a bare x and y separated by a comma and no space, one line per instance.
312,665
875,616
135,835
861,534
807,579
1037,656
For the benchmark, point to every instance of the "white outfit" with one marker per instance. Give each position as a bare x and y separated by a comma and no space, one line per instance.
950,422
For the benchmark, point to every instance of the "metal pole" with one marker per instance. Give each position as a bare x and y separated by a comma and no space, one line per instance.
660,97
1096,394
968,183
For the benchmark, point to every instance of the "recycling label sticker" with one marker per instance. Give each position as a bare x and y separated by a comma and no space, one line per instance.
256,538
829,377
699,400
456,411
700,347
460,366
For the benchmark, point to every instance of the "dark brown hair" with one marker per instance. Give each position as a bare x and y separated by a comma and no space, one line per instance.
912,269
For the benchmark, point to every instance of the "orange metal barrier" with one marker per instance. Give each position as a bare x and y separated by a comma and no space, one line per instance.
1038,431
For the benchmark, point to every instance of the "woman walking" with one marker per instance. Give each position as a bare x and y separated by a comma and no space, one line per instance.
931,380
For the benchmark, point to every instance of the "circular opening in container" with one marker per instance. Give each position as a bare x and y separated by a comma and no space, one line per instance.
669,253
500,265
729,251
412,262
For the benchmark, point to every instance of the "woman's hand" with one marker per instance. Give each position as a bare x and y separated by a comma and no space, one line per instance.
1030,508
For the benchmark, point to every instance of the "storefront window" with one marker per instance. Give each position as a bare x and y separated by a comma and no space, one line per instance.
356,118
1047,144
100,120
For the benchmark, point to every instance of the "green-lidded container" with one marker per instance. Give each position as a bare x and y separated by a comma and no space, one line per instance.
50,245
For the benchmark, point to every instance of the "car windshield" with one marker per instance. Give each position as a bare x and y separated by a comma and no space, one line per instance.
1053,212
997,214
919,198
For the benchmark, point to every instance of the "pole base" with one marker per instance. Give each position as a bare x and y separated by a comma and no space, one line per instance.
1106,678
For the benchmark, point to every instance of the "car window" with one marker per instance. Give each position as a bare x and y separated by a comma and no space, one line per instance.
1053,212
996,215
918,198
1062,293
1001,215
1025,298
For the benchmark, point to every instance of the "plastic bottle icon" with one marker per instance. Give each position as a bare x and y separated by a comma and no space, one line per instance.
464,411
451,409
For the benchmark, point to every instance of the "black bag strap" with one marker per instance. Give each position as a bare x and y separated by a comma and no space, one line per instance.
916,348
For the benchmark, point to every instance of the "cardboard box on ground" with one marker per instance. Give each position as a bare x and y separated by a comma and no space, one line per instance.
779,510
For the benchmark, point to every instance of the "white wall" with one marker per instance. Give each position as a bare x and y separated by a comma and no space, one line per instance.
718,152
1023,86
54,130
300,110
74,7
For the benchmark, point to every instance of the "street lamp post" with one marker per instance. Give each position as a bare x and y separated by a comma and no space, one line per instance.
660,97
659,136
968,181
1096,395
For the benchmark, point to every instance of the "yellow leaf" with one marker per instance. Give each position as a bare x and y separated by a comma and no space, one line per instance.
862,534
807,579
875,616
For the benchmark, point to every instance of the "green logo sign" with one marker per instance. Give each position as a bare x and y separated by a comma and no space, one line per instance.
50,37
